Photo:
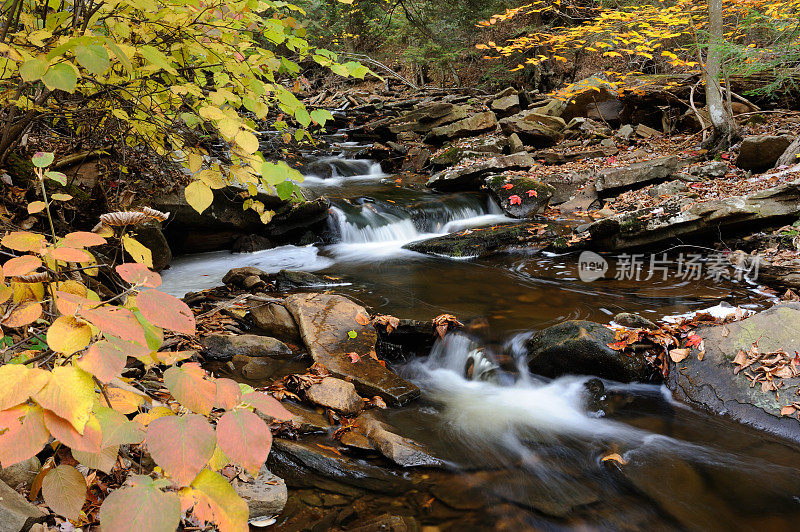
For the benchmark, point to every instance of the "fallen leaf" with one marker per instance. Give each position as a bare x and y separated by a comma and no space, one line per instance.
678,355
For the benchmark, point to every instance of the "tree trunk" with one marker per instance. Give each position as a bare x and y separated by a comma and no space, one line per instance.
721,118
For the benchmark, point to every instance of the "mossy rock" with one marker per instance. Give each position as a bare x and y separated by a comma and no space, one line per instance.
520,196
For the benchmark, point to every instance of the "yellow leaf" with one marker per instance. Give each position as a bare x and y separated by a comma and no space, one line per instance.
67,335
138,251
69,394
247,141
18,383
199,195
212,177
195,162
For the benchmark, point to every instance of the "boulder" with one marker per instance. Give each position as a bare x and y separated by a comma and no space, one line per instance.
478,147
251,244
712,169
791,156
471,177
506,105
520,196
712,385
467,127
402,451
151,236
581,348
236,276
567,184
587,94
552,107
272,319
223,347
614,180
265,495
16,513
336,394
559,157
262,369
424,119
328,326
667,189
21,473
633,321
286,280
761,152
515,144
641,228
539,131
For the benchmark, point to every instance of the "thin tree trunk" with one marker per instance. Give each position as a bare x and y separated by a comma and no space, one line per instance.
721,119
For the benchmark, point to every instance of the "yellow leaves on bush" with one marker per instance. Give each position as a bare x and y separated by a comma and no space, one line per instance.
139,252
24,241
124,401
67,335
69,394
18,383
247,141
199,195
216,501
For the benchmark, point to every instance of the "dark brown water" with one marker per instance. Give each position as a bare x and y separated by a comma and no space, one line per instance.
522,452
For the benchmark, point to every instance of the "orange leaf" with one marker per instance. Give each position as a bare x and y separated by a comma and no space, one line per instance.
116,321
124,401
69,304
216,500
166,311
25,314
90,441
70,254
21,265
23,241
104,360
228,394
82,239
188,385
181,445
678,355
244,438
18,383
267,405
138,274
25,437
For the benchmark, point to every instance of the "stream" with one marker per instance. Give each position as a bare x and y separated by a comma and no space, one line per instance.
525,452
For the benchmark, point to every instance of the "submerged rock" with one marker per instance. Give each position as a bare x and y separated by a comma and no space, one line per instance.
633,321
520,196
329,327
581,348
224,347
265,495
711,384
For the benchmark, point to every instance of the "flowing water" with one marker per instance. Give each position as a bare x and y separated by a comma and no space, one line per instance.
532,445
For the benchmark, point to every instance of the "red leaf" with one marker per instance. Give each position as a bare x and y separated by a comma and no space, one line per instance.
138,274
181,445
514,200
693,341
166,311
244,438
354,357
82,239
507,186
532,194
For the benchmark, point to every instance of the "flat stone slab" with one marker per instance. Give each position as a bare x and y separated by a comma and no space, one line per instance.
329,329
16,513
711,384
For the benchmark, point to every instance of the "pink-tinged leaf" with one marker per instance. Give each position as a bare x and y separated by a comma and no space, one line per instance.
166,311
138,274
82,239
188,385
514,200
64,491
70,254
116,321
24,241
21,265
104,360
228,394
25,314
141,507
244,438
90,441
532,194
267,405
217,502
69,304
181,445
69,394
18,383
25,437
118,429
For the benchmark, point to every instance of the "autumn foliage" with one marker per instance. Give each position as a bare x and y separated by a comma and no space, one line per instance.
69,399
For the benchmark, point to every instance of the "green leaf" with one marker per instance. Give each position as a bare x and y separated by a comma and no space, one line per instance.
155,57
320,116
62,76
58,177
33,69
42,159
355,69
93,58
303,117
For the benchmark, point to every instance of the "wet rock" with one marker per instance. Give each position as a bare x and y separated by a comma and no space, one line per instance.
466,127
422,119
21,473
711,384
628,230
761,152
286,280
327,323
471,177
530,196
356,440
305,420
539,131
265,495
558,157
614,180
336,394
581,348
567,185
411,339
791,156
583,200
260,368
222,347
417,159
16,513
251,243
394,523
485,241
633,321
667,189
236,276
272,319
305,464
478,147
399,449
